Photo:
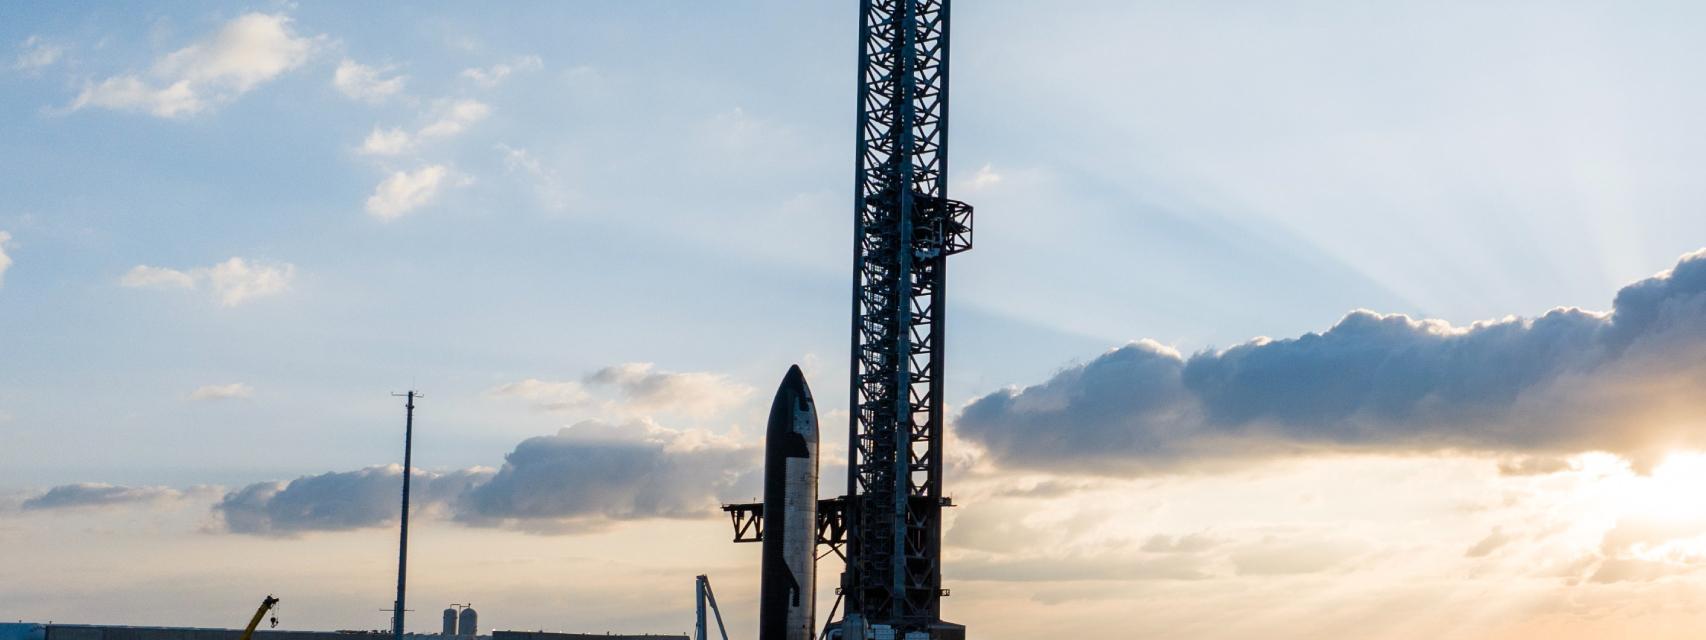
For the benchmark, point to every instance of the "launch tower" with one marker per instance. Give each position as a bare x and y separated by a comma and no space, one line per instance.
905,228
889,525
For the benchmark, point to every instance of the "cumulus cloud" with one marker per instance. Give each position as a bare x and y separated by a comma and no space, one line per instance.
405,191
638,388
365,83
94,494
5,260
246,52
1570,380
233,281
601,470
495,74
582,477
233,391
339,501
35,54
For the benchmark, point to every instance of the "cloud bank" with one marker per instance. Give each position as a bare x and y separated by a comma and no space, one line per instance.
1627,382
339,501
584,476
94,494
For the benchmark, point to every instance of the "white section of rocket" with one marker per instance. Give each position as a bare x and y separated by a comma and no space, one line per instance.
788,593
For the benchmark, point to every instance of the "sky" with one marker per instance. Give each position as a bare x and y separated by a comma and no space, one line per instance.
1284,320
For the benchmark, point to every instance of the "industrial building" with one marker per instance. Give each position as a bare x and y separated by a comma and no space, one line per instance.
53,631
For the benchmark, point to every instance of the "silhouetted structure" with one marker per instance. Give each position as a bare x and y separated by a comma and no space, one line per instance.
905,227
403,536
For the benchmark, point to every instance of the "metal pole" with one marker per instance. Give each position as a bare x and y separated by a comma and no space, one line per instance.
403,541
699,609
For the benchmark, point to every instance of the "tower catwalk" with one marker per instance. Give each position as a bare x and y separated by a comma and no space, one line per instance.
905,228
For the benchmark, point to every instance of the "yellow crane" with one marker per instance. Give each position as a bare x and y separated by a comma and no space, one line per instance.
266,605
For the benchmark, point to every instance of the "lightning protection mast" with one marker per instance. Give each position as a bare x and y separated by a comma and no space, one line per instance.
905,228
403,535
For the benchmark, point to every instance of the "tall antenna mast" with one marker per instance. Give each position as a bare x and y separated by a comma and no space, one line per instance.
403,541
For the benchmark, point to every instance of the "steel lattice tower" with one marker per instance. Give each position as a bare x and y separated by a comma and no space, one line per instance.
905,229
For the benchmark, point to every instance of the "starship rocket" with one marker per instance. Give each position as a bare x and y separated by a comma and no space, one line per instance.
788,587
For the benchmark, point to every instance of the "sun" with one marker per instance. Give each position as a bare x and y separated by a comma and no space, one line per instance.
1674,491
1659,516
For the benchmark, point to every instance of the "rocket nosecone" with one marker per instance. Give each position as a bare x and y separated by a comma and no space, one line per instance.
788,585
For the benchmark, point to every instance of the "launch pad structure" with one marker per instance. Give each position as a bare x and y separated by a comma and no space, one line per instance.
888,527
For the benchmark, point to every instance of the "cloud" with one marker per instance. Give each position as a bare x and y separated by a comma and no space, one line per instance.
1643,549
984,178
1567,381
645,388
35,54
450,119
1091,568
638,387
549,188
233,281
495,74
339,501
1533,466
1497,538
236,281
1188,543
1282,558
385,142
405,191
144,276
546,396
601,470
5,260
364,83
92,494
583,477
246,52
233,391
454,118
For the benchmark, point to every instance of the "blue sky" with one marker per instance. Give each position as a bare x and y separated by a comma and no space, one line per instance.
234,229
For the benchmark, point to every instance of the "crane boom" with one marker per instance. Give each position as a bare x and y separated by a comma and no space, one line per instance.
266,605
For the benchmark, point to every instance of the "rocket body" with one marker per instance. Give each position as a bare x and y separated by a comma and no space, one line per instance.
788,585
